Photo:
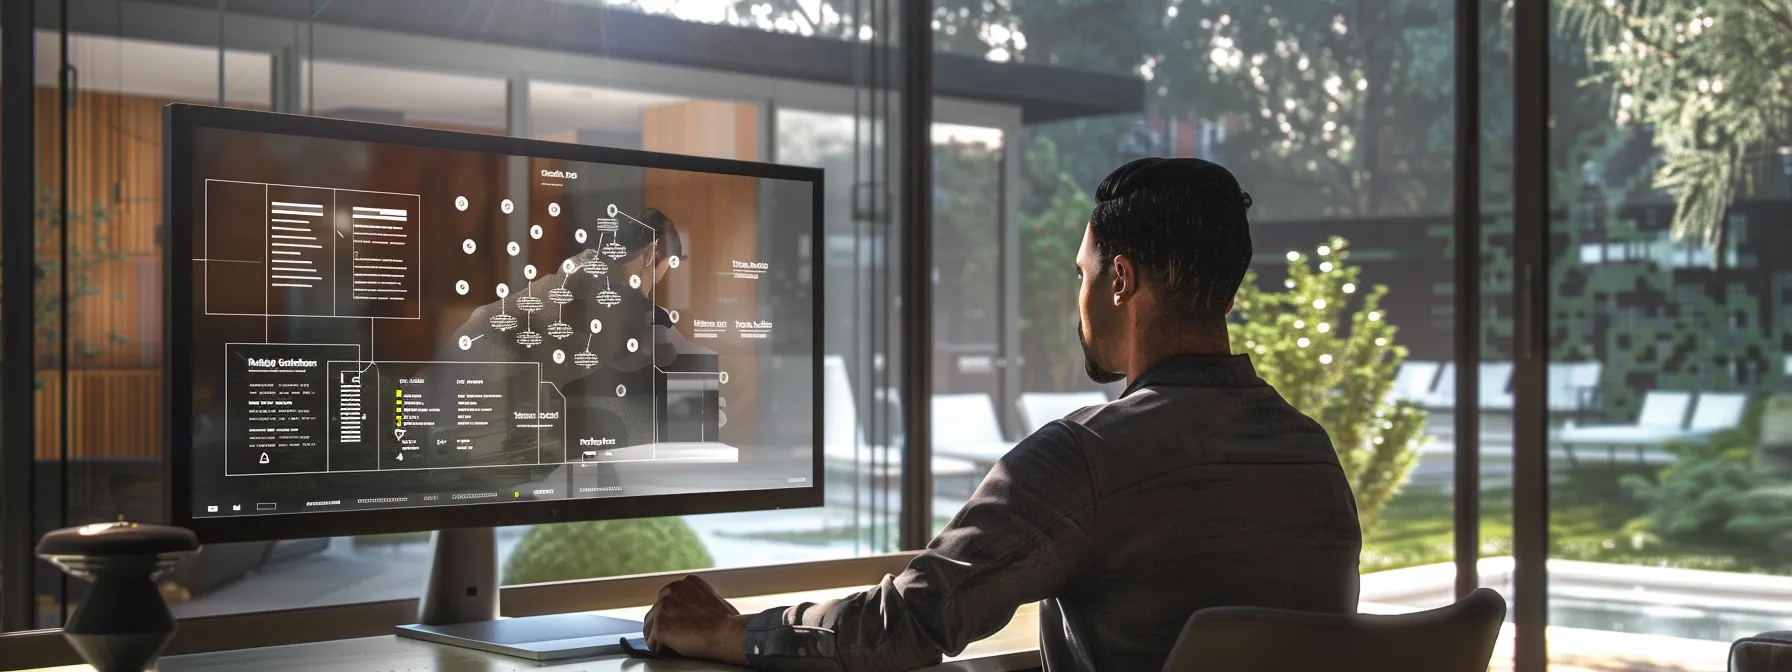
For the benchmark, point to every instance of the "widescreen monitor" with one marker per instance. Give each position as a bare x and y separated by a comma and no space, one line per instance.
375,328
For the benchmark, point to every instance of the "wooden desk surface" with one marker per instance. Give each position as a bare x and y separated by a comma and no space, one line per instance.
1012,649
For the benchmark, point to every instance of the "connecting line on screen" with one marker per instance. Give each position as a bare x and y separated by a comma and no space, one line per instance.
631,217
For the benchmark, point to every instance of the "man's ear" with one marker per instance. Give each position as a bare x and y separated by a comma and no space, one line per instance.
1126,280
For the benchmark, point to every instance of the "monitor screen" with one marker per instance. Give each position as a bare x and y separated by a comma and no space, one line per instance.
371,320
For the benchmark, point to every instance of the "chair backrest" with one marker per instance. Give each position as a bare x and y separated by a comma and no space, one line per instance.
1766,652
1444,393
1495,377
1569,381
965,418
1718,410
1038,408
1456,638
840,418
1414,380
1664,409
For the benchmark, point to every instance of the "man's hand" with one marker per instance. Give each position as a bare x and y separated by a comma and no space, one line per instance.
690,618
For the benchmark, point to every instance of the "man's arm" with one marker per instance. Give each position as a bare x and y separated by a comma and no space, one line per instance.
1021,538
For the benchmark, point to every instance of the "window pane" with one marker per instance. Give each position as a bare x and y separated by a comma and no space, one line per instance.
971,401
1668,311
1337,118
99,425
332,67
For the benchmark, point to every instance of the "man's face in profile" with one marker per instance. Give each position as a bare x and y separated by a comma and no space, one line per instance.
1095,316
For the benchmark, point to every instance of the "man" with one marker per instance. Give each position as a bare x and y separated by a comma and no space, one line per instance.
1199,487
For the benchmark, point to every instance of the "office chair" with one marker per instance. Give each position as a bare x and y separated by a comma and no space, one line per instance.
1456,638
1766,652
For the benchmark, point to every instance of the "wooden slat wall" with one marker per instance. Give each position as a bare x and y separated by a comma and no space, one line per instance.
115,205
113,414
115,201
718,215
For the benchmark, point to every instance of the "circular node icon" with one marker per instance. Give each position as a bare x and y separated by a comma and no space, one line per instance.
597,326
503,290
529,271
621,390
513,248
569,266
633,345
672,261
468,246
674,315
721,419
722,377
466,342
460,203
535,232
612,209
579,235
507,206
553,209
634,281
559,356
461,287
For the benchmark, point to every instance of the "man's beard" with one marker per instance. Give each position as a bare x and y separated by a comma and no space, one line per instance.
1090,368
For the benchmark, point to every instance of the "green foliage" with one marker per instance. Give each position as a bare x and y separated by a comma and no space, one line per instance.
1335,362
1049,241
569,551
1712,78
89,230
1715,493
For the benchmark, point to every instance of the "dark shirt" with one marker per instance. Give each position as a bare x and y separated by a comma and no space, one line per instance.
1199,487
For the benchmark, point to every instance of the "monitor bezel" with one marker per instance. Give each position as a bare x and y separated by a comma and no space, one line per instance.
181,120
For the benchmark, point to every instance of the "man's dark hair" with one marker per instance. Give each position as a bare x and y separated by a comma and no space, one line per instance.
1182,223
654,226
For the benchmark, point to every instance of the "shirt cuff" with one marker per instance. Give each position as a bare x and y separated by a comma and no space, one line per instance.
773,643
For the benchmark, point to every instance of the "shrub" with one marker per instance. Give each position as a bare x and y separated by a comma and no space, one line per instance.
1326,345
1716,494
568,551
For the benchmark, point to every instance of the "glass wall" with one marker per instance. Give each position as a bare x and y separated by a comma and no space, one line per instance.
1668,313
104,366
1337,118
971,398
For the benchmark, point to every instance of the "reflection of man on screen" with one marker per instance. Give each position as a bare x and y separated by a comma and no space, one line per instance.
609,388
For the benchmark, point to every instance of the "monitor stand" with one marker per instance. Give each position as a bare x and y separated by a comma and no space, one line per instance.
460,608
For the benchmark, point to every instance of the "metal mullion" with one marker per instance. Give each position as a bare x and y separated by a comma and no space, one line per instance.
1468,297
915,37
1530,241
17,218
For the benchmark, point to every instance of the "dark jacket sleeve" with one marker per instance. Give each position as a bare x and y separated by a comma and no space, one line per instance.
1021,538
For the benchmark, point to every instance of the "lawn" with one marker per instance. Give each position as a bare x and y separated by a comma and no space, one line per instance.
1587,518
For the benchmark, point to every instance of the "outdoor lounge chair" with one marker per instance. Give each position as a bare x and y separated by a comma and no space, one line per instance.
848,457
1442,396
1662,419
965,427
1038,408
1414,380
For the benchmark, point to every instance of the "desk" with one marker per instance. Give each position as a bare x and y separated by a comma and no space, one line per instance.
1012,649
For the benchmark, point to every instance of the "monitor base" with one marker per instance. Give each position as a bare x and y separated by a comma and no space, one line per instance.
550,637
460,608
